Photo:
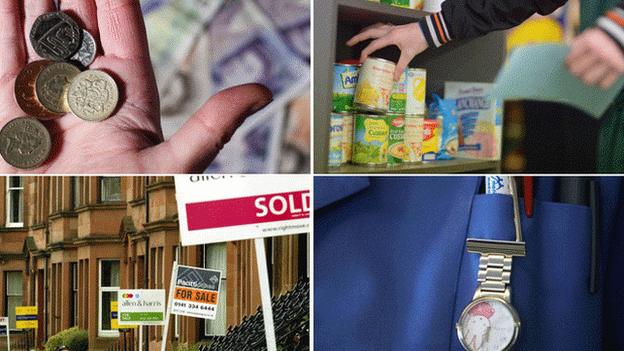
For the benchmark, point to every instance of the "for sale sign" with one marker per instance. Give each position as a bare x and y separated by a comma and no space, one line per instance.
196,292
141,307
26,317
4,326
225,208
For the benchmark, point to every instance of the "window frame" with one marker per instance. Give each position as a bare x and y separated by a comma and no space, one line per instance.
74,293
7,295
101,190
9,202
101,290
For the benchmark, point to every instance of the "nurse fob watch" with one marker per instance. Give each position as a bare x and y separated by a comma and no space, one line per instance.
490,322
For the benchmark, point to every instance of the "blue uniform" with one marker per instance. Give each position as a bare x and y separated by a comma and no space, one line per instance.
392,272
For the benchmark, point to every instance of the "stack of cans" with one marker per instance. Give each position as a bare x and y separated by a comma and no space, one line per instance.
378,122
60,83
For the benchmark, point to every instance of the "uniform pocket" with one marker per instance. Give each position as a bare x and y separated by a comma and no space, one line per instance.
550,286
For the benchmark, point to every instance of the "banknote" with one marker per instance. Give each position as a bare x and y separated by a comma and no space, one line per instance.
292,18
173,27
237,42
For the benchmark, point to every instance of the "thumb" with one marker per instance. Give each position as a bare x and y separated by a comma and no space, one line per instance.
197,143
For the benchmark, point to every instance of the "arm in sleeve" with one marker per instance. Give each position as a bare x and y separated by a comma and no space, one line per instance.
612,23
465,19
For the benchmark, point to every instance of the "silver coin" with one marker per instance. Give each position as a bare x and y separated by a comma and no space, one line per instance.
25,143
55,36
88,50
93,96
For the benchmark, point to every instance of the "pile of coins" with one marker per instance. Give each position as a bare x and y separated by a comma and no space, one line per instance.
49,88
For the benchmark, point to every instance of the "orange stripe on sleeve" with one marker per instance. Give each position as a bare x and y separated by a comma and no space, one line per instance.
616,18
440,29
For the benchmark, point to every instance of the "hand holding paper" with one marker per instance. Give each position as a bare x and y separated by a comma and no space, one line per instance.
539,73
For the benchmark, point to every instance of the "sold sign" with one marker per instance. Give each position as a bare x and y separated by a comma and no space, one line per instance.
224,208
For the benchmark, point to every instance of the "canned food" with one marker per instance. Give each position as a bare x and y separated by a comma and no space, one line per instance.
416,91
396,139
345,81
414,125
347,138
375,81
335,140
399,96
370,140
431,139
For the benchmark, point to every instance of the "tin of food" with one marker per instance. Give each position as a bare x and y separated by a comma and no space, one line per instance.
396,139
431,139
347,138
414,125
398,98
345,81
370,140
416,91
335,140
375,82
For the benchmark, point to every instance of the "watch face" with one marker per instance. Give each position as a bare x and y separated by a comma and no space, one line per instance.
488,324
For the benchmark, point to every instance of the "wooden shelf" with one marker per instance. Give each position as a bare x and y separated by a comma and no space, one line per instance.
366,13
450,166
338,20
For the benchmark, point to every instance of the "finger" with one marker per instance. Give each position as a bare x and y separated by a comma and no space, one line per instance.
579,66
404,61
370,33
201,138
374,46
84,12
596,73
32,10
122,30
578,49
610,79
12,44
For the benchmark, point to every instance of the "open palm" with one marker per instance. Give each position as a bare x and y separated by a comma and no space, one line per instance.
131,140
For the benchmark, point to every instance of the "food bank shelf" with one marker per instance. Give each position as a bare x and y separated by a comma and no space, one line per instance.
447,166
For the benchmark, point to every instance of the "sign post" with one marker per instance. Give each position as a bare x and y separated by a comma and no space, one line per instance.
4,322
139,307
228,208
215,209
174,273
265,295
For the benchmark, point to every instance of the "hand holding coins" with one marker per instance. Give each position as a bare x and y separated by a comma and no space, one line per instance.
74,53
50,88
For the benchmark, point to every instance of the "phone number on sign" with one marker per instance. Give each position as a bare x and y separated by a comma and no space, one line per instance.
194,306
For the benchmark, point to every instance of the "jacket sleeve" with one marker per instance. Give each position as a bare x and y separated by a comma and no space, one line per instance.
465,19
612,23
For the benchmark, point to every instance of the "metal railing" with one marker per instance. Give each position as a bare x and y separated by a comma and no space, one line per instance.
21,340
292,325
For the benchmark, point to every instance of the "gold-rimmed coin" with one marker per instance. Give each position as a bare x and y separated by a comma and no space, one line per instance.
52,85
26,94
25,143
93,96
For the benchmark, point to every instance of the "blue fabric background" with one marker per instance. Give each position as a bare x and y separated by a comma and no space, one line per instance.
391,271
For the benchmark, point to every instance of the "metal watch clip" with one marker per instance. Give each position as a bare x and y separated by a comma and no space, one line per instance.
496,257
